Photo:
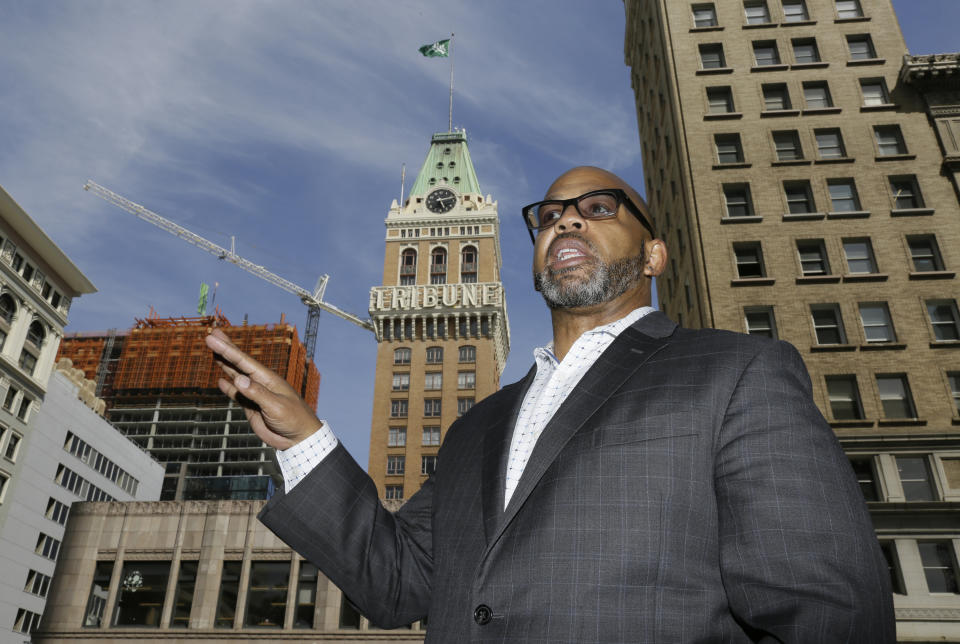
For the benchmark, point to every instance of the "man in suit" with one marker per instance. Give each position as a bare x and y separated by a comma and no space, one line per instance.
643,483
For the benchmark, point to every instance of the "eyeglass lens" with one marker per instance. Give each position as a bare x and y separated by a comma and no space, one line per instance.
591,206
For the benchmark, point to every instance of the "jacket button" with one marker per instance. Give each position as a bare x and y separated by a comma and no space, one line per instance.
482,614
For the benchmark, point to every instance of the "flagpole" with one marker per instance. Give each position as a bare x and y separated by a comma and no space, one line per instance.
450,123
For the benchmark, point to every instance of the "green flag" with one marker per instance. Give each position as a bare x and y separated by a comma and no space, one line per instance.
202,304
439,49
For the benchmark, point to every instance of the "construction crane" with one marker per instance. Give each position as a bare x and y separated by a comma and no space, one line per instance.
313,299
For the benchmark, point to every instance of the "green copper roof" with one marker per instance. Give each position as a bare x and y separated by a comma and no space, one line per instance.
448,161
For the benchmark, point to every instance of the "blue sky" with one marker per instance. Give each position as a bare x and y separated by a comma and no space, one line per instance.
286,123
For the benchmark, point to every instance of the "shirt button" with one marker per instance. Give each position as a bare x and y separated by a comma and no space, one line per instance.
482,614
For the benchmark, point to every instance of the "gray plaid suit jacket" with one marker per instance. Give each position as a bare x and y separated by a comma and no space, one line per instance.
688,490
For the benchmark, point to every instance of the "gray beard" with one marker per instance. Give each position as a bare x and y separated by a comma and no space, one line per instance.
605,282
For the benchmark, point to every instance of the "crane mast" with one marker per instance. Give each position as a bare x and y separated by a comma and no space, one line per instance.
313,300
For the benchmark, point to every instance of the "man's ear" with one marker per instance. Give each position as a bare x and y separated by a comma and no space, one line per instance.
656,258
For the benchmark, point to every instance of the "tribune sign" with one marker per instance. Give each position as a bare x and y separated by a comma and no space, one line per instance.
384,299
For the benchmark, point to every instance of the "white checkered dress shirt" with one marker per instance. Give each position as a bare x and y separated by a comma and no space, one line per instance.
551,386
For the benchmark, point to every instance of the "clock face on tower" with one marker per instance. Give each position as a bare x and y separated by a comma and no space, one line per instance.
441,200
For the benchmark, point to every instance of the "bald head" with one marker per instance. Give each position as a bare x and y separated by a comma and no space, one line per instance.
585,178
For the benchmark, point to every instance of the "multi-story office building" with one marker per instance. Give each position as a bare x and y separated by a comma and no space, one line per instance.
159,382
440,316
803,175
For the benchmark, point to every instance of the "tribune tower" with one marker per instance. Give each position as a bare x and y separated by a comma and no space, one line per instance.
440,316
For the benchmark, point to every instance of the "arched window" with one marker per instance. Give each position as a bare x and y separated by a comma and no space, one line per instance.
434,355
408,267
8,308
36,334
438,266
401,356
468,353
468,265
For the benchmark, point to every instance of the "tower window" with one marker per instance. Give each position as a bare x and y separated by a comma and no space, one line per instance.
434,355
408,267
401,356
468,354
468,265
438,266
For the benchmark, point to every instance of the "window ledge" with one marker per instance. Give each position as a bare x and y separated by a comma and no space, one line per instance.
729,166
888,422
932,275
798,23
760,25
719,116
715,70
836,160
878,108
866,277
750,219
866,61
792,162
832,347
896,157
848,214
818,279
877,346
945,344
702,29
910,212
854,19
820,64
779,67
752,281
775,113
802,216
851,423
833,109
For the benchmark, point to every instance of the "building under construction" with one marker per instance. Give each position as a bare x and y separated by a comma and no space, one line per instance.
159,382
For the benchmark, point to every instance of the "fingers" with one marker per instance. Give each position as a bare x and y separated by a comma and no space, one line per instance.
218,342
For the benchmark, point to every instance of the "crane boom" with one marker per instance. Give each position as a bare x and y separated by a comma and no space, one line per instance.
312,300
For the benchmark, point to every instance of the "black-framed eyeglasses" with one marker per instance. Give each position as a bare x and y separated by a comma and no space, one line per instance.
596,204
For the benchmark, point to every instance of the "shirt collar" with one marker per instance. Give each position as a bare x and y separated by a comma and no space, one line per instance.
545,354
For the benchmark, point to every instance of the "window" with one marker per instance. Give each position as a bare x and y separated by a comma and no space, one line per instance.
924,253
467,354
428,465
805,51
737,200
10,398
787,145
799,197
939,566
7,308
434,355
749,257
390,492
866,477
874,92
267,593
349,614
760,321
438,266
47,547
859,254
4,479
229,591
943,318
719,100
795,11
953,378
464,405
99,590
756,12
830,144
861,47
828,324
728,148
432,380
765,53
843,195
468,265
13,445
307,590
895,396
140,597
401,382
776,97
36,334
396,464
467,380
398,408
183,595
396,436
704,15
844,398
849,9
813,257
37,584
816,94
401,356
28,361
711,56
27,621
57,511
408,267
431,435
431,407
889,550
915,477
24,408
906,192
877,325
889,140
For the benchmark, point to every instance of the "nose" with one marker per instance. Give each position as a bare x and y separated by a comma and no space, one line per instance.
570,219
